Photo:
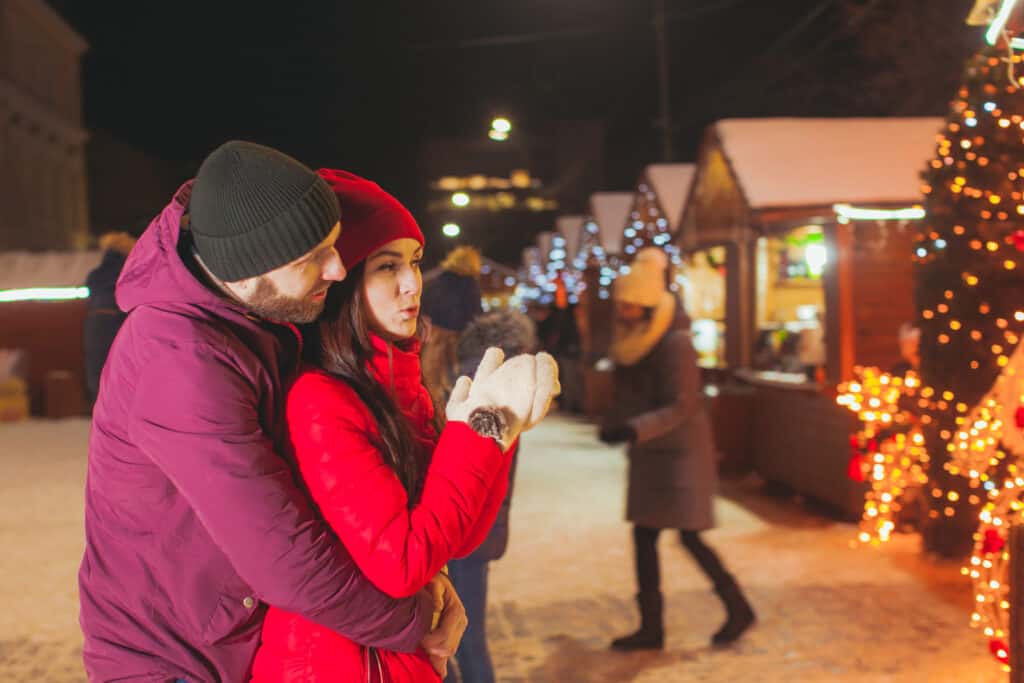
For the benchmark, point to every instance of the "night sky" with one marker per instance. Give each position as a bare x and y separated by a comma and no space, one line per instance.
359,84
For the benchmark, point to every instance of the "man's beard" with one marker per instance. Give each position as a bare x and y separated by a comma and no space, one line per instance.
268,303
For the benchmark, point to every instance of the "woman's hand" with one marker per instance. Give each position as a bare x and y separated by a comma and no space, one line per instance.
505,398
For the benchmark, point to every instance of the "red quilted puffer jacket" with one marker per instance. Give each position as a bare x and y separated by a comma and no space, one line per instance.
399,548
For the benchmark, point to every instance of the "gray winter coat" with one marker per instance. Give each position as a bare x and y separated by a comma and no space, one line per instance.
673,471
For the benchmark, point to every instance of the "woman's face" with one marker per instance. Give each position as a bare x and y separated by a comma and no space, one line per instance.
392,284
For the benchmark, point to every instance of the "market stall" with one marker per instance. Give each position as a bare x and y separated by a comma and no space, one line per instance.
805,292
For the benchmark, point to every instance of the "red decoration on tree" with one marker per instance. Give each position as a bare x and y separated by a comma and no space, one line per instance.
1018,240
993,542
873,446
855,468
1000,650
1018,417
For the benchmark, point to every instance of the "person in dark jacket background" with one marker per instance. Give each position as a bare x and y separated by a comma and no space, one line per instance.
659,412
559,335
450,302
103,318
514,333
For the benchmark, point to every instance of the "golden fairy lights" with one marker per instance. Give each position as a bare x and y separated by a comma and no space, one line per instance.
988,567
970,252
895,458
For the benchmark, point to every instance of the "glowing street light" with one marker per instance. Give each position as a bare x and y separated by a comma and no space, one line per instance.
501,124
44,294
451,229
497,135
460,199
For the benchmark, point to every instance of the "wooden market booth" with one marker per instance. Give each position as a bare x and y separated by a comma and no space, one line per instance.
42,315
804,297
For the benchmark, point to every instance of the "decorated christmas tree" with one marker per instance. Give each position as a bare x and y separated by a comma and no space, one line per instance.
970,285
647,226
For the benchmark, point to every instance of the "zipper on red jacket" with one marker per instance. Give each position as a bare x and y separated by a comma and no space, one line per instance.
373,663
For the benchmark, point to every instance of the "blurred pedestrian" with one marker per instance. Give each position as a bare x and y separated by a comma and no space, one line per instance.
559,335
659,412
450,302
514,333
103,318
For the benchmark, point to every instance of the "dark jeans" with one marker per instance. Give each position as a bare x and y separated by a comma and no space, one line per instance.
469,576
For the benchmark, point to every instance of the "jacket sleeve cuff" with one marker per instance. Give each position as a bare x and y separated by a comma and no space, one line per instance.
408,640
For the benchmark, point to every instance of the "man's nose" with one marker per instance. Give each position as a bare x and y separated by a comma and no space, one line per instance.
334,269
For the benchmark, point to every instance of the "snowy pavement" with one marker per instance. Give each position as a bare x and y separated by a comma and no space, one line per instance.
828,612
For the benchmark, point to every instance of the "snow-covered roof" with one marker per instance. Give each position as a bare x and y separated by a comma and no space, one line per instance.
570,227
671,184
29,269
610,211
817,162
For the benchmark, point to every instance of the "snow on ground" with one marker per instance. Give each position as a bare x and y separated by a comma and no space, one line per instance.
828,612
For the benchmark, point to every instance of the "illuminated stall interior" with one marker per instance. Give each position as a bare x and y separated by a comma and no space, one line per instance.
789,297
701,277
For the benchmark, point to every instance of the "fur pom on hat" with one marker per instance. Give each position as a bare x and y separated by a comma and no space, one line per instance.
644,284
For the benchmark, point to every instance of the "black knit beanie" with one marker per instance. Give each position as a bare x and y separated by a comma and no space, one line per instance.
254,209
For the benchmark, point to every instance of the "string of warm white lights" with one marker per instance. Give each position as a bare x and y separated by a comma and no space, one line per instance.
896,459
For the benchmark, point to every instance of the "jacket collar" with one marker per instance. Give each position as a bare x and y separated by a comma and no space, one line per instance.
397,368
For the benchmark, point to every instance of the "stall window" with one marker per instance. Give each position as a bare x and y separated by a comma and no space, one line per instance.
791,302
700,280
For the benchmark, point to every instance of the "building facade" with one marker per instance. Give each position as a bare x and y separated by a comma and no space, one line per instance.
43,190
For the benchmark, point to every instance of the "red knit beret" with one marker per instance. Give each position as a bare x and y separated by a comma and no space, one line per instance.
370,217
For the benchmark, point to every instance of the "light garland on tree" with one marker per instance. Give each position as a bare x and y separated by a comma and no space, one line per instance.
995,424
989,565
896,461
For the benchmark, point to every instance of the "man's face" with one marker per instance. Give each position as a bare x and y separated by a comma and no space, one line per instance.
295,292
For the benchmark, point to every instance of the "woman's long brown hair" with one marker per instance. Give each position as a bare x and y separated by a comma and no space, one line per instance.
340,344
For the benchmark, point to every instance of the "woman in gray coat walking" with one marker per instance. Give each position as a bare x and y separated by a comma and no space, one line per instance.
659,411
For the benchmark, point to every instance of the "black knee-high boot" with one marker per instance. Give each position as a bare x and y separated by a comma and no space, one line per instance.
651,635
739,614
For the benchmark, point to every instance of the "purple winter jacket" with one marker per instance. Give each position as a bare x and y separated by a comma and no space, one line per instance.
193,521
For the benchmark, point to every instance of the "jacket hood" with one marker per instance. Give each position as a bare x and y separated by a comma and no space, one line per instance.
155,272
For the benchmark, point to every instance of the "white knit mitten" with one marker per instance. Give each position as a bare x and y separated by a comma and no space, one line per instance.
504,399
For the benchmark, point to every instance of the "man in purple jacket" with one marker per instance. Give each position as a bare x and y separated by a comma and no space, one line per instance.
193,520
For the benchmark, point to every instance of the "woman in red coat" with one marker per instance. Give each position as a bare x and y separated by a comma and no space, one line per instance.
365,438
